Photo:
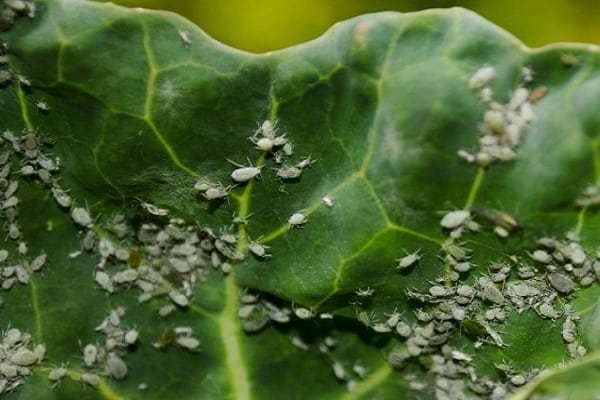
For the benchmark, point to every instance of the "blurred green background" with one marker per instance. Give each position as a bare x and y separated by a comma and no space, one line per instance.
262,25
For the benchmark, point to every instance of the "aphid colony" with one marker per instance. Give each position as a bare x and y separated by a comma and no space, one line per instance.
589,197
26,153
10,10
106,359
541,282
17,356
161,261
277,146
503,124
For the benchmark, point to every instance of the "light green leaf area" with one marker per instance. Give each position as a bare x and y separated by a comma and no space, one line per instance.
381,102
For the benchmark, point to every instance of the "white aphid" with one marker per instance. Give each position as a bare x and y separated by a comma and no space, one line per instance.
482,77
61,197
408,260
81,217
368,292
185,37
339,371
264,144
126,276
166,310
90,379
297,219
244,173
38,263
299,343
215,193
104,281
465,155
455,219
56,374
288,172
131,337
307,162
258,249
187,342
154,210
328,201
3,255
179,298
90,355
303,313
116,366
24,357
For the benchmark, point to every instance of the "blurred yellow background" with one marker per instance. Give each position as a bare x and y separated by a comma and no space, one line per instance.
262,25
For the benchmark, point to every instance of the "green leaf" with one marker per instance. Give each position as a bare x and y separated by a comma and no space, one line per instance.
382,103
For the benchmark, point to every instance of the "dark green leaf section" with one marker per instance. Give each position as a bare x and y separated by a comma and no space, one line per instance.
382,102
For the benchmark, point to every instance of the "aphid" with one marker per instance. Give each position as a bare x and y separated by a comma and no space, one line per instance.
81,217
131,337
541,256
305,163
288,148
38,263
185,37
126,276
562,283
297,219
382,327
466,156
154,210
438,291
496,338
327,201
90,355
24,357
288,172
22,248
339,371
188,342
326,316
299,343
455,219
537,94
143,386
360,370
491,293
482,77
408,260
303,313
244,173
12,188
216,192
546,310
365,292
263,144
90,379
166,310
267,129
104,281
42,106
179,298
403,329
116,366
569,59
517,380
501,232
3,255
527,74
258,249
56,374
12,201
